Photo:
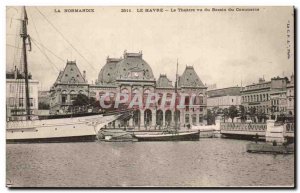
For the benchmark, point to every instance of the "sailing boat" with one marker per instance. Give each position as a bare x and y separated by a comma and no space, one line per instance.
173,134
30,128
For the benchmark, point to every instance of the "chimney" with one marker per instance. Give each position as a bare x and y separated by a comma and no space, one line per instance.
16,73
261,80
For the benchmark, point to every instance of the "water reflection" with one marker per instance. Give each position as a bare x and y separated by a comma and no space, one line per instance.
208,162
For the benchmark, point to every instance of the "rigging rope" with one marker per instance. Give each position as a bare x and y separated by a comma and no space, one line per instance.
61,59
56,29
56,68
42,50
13,47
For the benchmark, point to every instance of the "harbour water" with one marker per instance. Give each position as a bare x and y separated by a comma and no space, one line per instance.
206,163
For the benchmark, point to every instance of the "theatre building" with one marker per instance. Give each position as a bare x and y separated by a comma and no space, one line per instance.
132,75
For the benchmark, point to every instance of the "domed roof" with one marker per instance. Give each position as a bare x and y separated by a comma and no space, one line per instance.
107,74
131,67
190,78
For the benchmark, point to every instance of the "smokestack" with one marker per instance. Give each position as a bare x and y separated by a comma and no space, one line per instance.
16,73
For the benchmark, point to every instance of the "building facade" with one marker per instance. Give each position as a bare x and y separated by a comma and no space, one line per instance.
15,95
69,83
224,97
132,75
268,97
290,94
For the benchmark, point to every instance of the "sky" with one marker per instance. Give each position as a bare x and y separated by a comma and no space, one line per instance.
226,48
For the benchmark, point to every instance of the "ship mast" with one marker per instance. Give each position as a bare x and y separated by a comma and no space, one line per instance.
24,37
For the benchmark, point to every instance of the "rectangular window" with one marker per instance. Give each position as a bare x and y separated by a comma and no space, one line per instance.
63,98
31,102
12,88
21,102
187,118
11,102
21,89
200,118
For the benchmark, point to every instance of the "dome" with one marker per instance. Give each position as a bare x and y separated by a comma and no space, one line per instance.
107,74
134,67
131,67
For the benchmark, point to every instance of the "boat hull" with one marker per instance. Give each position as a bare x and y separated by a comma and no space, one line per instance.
269,148
83,138
56,130
192,136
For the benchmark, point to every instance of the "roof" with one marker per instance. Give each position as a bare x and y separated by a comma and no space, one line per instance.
190,78
230,91
71,74
131,66
164,82
107,73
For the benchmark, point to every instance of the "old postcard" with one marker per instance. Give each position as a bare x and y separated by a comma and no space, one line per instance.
139,96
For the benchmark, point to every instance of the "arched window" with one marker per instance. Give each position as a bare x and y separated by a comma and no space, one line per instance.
201,99
73,95
124,91
146,93
64,96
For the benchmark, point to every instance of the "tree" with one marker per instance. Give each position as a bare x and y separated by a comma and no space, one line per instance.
252,113
81,100
84,102
210,117
232,112
225,114
44,106
261,116
243,113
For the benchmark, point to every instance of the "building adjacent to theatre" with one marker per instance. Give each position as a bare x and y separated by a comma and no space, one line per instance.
69,83
290,94
224,97
272,98
132,75
15,94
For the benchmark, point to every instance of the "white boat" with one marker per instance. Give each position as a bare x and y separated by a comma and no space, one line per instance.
75,129
31,129
169,136
115,135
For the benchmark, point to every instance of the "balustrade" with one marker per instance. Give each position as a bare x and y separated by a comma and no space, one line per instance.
243,126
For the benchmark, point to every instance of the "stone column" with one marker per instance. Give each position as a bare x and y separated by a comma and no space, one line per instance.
274,133
172,117
164,118
68,98
153,118
142,119
131,122
190,117
197,118
182,117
